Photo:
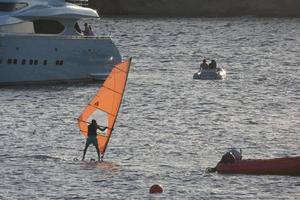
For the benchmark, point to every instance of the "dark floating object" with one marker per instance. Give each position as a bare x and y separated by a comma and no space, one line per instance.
155,189
232,163
275,166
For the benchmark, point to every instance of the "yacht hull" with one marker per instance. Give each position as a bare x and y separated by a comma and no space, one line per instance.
27,59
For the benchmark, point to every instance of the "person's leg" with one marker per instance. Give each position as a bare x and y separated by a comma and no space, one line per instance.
98,152
84,151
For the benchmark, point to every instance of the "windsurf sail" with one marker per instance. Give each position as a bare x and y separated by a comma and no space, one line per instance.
105,105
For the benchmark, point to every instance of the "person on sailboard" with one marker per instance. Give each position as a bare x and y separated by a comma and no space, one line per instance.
203,65
92,137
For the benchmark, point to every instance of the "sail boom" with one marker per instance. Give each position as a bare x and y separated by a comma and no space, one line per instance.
102,110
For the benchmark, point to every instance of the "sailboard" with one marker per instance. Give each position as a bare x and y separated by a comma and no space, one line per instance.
105,105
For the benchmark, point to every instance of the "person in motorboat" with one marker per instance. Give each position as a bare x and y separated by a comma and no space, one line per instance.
212,65
203,65
92,137
210,72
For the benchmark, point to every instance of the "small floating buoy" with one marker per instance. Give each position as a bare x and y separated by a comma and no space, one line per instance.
155,189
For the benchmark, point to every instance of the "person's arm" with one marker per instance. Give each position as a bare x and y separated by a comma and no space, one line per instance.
102,128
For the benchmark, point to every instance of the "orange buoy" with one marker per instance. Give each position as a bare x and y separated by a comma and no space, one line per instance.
156,189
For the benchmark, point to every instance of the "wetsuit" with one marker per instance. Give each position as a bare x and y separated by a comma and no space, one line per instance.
92,135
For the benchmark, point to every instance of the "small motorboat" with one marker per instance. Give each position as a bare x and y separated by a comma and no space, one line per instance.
232,163
210,74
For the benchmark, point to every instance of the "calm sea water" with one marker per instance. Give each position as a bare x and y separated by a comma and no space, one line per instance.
170,127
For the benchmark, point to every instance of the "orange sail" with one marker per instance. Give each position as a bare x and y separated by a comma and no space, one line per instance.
104,106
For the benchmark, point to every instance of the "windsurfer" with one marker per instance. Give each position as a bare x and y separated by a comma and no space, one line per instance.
92,137
105,103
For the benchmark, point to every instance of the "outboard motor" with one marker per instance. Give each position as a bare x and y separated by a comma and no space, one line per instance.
231,156
236,154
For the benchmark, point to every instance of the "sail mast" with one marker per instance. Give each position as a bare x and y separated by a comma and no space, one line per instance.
125,69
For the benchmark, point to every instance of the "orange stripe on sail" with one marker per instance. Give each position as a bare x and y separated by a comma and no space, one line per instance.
107,100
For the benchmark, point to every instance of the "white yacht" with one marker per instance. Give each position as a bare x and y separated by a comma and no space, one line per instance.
41,42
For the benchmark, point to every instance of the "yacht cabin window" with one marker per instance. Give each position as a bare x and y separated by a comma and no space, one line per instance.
9,7
36,26
23,27
47,27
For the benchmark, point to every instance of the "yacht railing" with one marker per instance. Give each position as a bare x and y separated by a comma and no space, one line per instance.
49,36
